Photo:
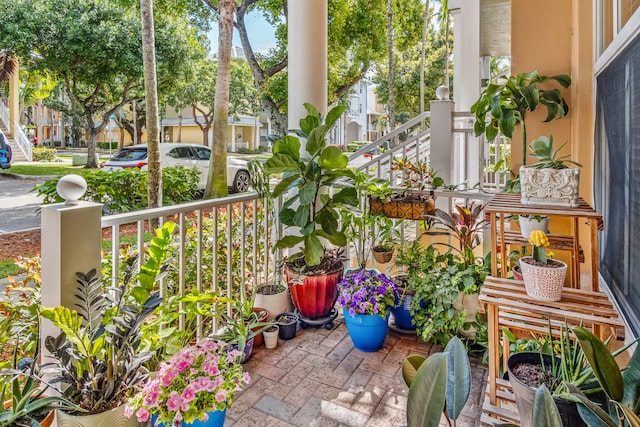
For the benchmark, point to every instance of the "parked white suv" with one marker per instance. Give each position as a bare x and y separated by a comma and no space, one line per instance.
182,154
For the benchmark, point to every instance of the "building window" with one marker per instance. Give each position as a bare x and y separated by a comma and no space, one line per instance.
617,169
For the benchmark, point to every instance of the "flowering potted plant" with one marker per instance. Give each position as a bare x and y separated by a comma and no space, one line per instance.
366,297
198,383
543,277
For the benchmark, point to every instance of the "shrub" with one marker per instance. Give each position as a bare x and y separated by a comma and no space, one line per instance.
126,190
243,150
108,145
43,154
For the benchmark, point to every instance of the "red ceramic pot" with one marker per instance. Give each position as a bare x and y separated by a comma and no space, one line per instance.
313,296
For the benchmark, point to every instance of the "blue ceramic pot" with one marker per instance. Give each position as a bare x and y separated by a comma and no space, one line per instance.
402,313
216,419
367,331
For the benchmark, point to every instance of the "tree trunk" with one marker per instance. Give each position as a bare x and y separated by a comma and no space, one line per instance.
423,53
154,183
217,179
392,100
91,149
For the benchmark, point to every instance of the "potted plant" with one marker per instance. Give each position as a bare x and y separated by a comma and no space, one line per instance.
550,181
273,294
507,103
416,199
271,336
543,276
98,356
25,401
388,237
366,297
194,387
441,384
528,223
287,325
312,211
557,364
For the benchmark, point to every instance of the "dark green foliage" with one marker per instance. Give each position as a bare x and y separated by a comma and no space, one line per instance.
126,190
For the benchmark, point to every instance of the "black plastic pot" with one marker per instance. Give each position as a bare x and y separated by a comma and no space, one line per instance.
524,394
288,324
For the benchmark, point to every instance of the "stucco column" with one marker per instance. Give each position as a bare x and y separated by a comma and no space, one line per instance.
466,52
14,98
71,243
441,140
307,67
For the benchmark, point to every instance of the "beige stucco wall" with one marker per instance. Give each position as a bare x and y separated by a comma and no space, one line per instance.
559,40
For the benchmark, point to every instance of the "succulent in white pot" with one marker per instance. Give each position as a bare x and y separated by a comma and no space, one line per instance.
550,181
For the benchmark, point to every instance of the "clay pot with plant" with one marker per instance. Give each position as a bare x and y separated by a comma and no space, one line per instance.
543,276
312,212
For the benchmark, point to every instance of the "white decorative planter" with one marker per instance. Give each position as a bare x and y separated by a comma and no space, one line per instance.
543,283
112,418
469,303
527,225
557,187
274,304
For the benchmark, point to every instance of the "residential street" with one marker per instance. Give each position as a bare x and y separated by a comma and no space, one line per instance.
18,205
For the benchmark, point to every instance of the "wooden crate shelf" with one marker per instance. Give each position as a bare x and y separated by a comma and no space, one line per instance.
508,306
504,410
503,206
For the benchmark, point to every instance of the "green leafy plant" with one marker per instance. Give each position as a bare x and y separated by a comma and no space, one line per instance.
317,214
542,149
98,353
438,384
620,387
28,403
507,103
43,154
417,176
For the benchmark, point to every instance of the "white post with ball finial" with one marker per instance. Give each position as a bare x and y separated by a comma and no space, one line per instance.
70,243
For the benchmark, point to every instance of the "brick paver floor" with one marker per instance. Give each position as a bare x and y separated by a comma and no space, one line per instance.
319,379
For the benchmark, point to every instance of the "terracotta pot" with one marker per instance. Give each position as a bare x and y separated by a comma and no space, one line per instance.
263,314
313,296
543,283
517,272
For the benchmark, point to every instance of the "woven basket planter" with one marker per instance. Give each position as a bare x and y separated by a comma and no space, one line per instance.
406,207
382,257
543,283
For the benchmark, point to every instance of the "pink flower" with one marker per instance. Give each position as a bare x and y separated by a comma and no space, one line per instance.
246,378
221,395
173,403
142,415
128,411
188,394
182,365
151,398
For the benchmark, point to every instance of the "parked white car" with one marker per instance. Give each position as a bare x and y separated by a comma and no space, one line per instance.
182,154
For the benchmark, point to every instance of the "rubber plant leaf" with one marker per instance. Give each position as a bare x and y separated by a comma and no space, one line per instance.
545,411
458,377
631,378
604,366
591,413
426,398
410,367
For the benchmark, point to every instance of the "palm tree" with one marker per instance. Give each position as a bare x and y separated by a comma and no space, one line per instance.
7,66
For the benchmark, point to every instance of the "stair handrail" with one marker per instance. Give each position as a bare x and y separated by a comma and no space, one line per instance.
23,142
4,114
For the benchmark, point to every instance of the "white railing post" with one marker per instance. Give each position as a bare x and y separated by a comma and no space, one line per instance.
71,242
441,140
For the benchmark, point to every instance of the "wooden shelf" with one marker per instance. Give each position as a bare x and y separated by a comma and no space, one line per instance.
508,306
504,410
503,206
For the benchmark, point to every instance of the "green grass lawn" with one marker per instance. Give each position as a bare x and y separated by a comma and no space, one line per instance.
52,169
8,268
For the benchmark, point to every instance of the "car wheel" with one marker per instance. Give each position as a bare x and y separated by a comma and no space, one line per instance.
241,182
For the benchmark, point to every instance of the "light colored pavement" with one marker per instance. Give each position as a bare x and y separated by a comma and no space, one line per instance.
18,206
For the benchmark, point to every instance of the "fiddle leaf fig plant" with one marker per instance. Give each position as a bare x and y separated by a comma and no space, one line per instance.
507,104
313,207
